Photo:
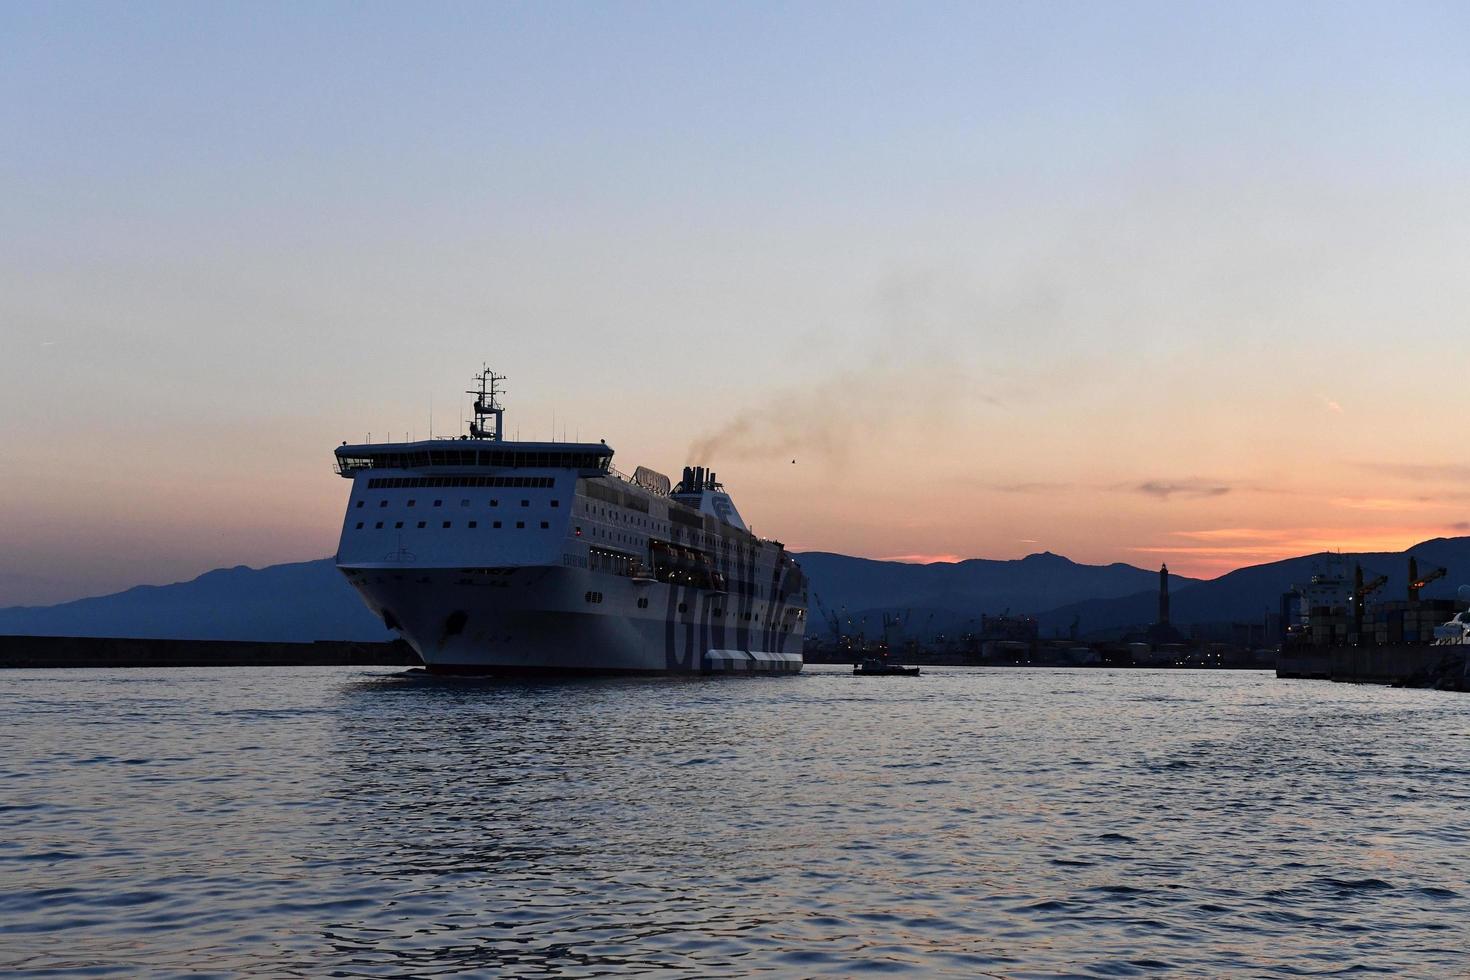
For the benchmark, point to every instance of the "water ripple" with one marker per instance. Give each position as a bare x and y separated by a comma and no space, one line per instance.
984,823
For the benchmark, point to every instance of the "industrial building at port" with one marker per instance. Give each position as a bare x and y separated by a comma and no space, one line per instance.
1016,640
1337,625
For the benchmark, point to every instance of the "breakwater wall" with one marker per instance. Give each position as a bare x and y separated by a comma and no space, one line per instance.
1416,666
1423,666
93,651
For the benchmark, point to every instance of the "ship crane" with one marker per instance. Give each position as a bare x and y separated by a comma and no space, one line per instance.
1416,582
899,625
831,617
1361,591
894,621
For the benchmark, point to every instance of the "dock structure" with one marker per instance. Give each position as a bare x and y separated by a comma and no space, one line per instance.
1403,665
98,651
1332,632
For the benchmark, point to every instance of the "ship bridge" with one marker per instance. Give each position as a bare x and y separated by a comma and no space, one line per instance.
459,455
484,448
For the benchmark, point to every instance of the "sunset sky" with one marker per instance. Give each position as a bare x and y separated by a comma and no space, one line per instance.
1127,282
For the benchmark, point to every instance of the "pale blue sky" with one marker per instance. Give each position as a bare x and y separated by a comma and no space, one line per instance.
1079,245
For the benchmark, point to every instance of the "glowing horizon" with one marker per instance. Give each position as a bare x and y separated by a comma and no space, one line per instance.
1000,278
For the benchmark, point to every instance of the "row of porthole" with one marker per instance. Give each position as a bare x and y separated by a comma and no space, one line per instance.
698,538
463,503
683,606
611,536
448,524
616,515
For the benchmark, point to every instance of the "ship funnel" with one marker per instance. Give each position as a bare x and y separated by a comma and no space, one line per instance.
688,480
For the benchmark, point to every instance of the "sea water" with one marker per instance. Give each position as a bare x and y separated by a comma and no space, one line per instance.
970,822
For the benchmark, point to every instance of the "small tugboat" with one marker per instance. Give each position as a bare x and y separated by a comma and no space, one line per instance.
880,666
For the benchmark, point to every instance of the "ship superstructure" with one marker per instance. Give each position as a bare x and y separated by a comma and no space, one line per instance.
490,555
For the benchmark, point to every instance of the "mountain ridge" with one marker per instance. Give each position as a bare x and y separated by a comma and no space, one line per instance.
305,601
1246,594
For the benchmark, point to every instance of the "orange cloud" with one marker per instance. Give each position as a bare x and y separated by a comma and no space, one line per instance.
1189,487
922,559
1218,550
1382,503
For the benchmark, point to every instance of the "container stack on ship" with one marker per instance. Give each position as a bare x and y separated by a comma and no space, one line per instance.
1335,630
493,556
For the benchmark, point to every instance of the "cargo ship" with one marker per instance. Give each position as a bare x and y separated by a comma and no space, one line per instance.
503,557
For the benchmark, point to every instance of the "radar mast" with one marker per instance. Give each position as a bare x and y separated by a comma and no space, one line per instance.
487,406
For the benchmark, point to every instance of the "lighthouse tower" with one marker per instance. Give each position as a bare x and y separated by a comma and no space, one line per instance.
1164,595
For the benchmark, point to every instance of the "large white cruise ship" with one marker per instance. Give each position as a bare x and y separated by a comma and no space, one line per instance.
491,556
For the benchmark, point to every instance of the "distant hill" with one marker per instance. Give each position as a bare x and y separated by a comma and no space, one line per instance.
948,594
310,600
1247,594
302,601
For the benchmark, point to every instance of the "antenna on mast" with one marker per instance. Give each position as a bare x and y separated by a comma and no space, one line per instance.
487,406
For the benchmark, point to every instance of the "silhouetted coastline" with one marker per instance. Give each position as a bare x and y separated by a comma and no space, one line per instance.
91,651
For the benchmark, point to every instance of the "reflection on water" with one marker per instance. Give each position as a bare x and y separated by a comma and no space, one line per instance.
971,822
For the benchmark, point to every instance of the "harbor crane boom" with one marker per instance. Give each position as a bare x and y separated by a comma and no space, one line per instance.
1361,591
1416,582
831,617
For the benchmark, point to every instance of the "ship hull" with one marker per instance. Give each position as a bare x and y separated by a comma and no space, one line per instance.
553,620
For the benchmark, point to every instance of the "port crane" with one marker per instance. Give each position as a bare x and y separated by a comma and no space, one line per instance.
1416,582
895,622
1361,591
831,617
896,628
